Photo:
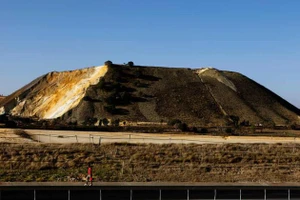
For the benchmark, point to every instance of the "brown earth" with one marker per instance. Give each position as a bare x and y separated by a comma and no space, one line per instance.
151,163
1,98
160,94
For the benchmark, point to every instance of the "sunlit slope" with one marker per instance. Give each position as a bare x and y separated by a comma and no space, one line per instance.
54,94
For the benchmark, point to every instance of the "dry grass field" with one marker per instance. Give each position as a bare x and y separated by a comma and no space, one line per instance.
151,162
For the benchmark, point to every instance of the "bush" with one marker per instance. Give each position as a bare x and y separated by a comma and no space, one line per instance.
235,120
173,122
194,129
105,121
130,64
183,126
108,63
115,122
203,130
295,127
245,123
228,130
89,121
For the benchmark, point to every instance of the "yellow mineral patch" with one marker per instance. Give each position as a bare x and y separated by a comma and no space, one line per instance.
58,93
2,110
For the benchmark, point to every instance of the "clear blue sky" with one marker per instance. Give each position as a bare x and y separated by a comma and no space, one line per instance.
258,38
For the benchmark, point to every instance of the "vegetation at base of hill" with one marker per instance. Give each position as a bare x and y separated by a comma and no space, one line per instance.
172,126
151,162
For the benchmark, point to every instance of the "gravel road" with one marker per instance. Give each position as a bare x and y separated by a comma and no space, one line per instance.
51,136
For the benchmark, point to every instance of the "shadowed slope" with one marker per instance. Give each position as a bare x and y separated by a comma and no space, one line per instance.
267,104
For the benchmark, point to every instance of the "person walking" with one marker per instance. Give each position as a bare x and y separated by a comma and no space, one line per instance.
89,177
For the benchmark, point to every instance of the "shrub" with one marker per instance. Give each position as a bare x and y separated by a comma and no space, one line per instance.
235,120
173,122
183,126
195,129
105,121
295,127
245,123
203,130
228,130
108,63
115,122
130,64
90,121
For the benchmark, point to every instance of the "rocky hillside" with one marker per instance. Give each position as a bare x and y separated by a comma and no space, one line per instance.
133,94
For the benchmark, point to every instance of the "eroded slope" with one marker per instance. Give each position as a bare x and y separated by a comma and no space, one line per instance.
52,95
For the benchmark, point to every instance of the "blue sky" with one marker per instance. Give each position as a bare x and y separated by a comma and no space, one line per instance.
258,38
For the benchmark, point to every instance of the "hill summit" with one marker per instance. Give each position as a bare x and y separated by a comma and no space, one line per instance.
206,97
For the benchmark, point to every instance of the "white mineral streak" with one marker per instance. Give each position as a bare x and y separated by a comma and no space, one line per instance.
214,73
2,110
62,92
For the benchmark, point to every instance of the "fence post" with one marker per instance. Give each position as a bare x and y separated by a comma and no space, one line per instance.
76,138
215,194
50,138
99,140
265,194
159,194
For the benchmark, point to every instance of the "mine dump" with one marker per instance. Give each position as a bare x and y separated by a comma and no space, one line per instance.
148,124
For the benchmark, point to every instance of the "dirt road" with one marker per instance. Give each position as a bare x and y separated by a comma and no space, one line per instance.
53,136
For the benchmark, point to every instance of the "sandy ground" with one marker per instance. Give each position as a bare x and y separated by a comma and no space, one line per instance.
54,136
8,135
